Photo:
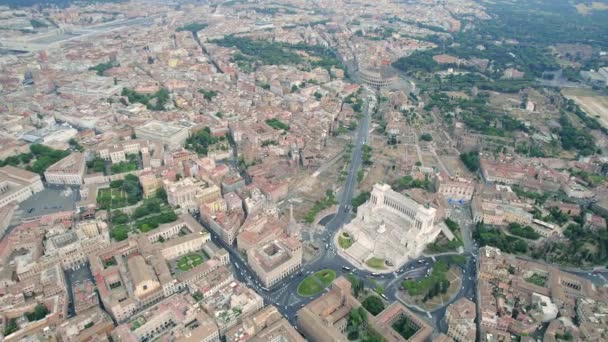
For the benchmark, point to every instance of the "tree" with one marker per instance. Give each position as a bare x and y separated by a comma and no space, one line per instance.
356,284
373,304
119,233
426,137
360,199
40,311
471,160
116,184
192,27
354,318
118,217
11,327
445,285
353,335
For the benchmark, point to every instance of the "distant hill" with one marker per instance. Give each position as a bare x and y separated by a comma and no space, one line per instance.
50,3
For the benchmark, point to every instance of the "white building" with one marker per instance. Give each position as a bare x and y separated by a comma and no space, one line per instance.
392,227
171,135
69,170
17,185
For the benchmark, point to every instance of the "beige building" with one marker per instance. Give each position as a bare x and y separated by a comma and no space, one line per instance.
275,260
17,185
396,313
189,193
496,213
86,326
174,318
546,292
453,188
142,276
117,152
502,172
71,250
168,134
325,318
150,184
69,170
460,317
265,325
136,273
231,303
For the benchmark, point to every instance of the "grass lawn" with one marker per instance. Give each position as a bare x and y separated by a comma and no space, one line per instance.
309,287
454,276
326,276
116,197
190,261
198,296
537,279
316,282
345,242
375,263
122,167
404,327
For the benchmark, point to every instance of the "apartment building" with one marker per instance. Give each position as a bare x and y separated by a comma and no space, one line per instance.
460,317
231,303
265,325
275,260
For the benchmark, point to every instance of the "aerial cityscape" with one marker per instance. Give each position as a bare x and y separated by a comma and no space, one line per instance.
304,170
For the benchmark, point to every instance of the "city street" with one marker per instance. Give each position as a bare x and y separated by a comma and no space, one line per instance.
284,294
74,276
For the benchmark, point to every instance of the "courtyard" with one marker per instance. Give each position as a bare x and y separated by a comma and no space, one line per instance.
187,262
